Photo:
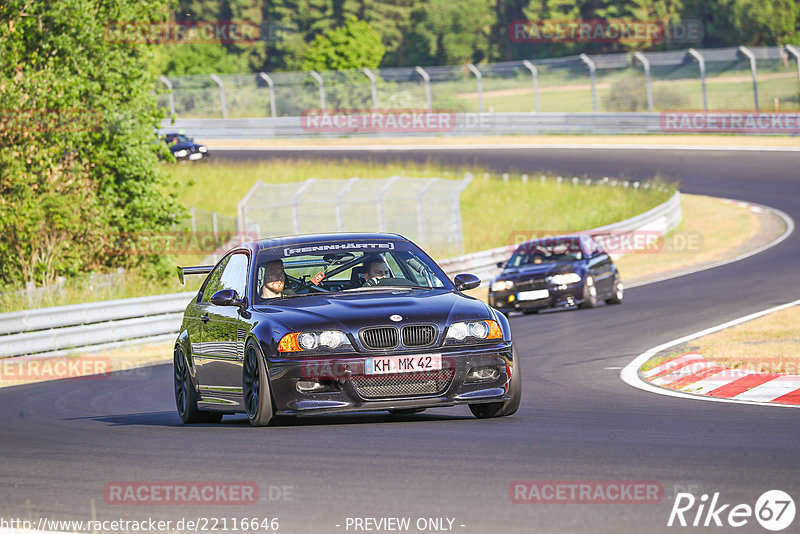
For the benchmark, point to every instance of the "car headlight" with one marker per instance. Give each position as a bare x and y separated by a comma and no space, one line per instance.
203,149
564,279
502,285
301,341
476,330
181,153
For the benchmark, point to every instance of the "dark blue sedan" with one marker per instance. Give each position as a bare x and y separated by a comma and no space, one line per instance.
556,272
339,323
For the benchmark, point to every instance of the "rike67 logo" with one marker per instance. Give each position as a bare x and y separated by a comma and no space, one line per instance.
774,510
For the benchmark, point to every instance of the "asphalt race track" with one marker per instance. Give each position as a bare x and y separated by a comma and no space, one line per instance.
62,442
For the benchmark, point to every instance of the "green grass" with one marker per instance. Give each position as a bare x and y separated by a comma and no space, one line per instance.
492,212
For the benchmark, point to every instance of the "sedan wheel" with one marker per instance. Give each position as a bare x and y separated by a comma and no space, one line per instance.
186,395
618,293
501,409
255,387
589,293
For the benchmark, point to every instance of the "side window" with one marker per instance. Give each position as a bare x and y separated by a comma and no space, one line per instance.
234,276
212,282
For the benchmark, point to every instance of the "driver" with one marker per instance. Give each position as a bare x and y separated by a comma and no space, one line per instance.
274,280
377,268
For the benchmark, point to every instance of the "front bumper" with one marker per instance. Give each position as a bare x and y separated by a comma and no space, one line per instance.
565,296
351,390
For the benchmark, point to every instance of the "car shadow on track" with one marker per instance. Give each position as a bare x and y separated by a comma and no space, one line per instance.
240,421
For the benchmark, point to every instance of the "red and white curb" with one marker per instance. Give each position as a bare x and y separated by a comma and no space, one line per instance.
692,373
699,382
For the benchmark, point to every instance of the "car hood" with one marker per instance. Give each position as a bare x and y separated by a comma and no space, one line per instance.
537,270
351,311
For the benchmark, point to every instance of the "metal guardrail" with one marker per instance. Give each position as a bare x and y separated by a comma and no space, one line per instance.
55,330
90,327
466,124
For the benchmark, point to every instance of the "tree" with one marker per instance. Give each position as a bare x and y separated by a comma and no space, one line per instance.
78,155
354,45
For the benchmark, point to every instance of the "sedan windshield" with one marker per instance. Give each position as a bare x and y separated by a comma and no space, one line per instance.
546,251
341,266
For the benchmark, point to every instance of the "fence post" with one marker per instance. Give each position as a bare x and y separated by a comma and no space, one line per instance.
170,95
339,196
456,234
222,103
194,220
427,80
314,74
474,70
646,64
421,211
535,74
796,53
746,52
295,201
701,63
368,74
214,227
381,198
263,76
592,68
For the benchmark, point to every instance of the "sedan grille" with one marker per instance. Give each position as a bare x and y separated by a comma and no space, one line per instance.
533,283
384,337
418,335
402,385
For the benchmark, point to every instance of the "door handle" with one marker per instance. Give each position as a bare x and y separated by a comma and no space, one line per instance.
204,317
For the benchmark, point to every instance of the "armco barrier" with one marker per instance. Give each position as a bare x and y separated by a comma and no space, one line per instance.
59,330
466,124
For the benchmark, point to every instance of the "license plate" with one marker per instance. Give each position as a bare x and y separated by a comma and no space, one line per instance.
402,364
195,156
533,295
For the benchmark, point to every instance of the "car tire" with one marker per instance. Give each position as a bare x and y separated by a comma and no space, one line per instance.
530,312
255,386
509,407
186,395
589,299
617,293
406,411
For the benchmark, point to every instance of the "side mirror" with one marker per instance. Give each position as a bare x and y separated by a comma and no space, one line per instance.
465,281
501,264
225,297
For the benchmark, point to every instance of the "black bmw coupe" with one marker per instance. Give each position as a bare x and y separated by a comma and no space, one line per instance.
339,323
556,272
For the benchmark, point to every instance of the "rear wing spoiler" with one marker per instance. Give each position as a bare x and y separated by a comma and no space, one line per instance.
200,269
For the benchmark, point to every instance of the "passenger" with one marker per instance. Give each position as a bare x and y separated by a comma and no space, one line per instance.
274,280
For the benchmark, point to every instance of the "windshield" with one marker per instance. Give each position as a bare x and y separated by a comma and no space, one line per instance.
343,266
178,138
546,251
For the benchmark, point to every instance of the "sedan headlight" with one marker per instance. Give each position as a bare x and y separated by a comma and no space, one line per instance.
301,341
203,149
502,285
181,153
564,279
475,330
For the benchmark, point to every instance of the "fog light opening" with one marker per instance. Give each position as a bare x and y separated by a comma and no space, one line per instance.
314,386
482,374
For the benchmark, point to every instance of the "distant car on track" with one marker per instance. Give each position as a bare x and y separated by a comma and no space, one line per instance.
295,325
184,147
556,272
